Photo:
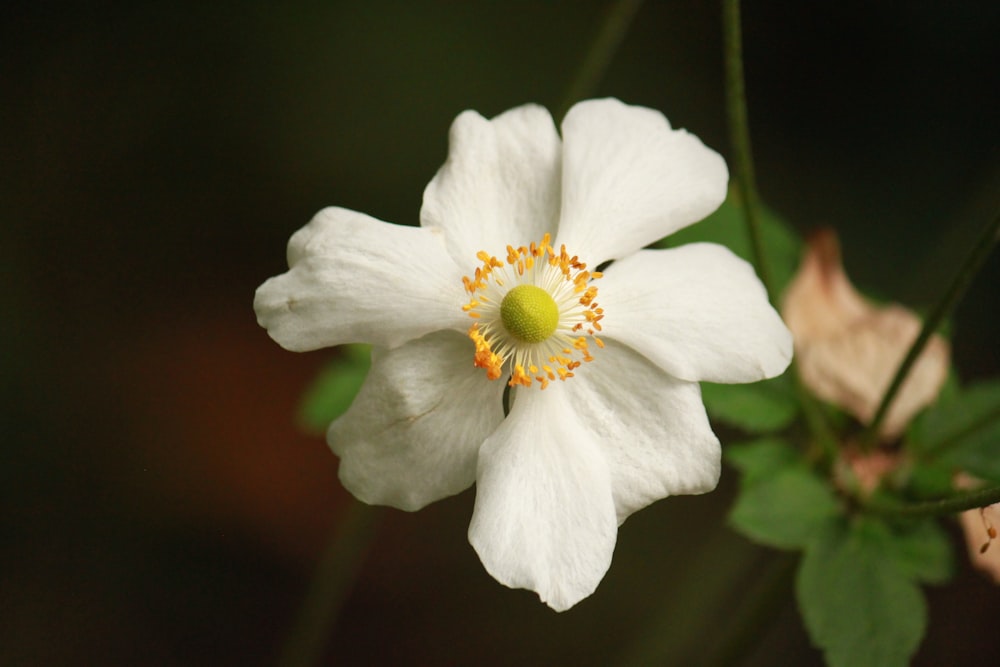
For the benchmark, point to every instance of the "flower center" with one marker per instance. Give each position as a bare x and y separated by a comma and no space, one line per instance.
529,313
535,314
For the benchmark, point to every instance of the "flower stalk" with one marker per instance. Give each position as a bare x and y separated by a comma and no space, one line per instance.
331,583
739,137
602,50
953,505
967,271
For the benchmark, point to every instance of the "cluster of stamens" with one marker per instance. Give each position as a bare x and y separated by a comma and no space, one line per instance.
537,310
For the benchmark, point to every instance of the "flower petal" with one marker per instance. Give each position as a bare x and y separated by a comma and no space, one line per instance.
629,179
697,311
413,433
353,278
544,517
500,184
652,428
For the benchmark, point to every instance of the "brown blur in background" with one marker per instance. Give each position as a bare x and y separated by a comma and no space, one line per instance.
159,505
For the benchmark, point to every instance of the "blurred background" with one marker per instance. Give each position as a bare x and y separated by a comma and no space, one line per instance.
159,504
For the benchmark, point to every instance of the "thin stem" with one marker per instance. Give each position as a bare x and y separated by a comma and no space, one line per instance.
329,587
816,421
720,566
746,182
959,503
739,137
596,62
756,611
973,262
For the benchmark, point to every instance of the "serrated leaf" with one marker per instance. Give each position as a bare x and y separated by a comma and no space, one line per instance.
859,605
964,431
784,508
333,390
762,407
727,227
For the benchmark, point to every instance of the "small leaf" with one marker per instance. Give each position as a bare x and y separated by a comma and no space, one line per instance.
763,407
930,481
964,431
922,551
727,226
760,457
784,508
332,392
858,604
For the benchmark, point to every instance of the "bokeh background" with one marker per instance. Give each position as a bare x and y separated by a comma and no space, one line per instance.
159,504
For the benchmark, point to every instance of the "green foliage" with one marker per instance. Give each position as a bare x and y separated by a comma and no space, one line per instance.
858,582
758,458
921,550
762,407
930,481
963,431
782,502
858,596
332,391
727,226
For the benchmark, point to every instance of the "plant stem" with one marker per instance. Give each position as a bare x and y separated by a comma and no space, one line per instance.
746,183
953,505
973,262
718,569
756,611
816,421
595,63
329,587
739,136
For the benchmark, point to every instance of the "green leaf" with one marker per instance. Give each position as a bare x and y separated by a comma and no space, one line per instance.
922,551
784,507
727,227
763,407
858,604
964,431
760,457
930,481
332,391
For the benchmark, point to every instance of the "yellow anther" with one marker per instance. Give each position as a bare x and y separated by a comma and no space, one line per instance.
534,305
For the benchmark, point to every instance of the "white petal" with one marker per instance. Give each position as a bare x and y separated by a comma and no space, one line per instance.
651,427
629,179
697,311
500,184
544,517
413,433
353,278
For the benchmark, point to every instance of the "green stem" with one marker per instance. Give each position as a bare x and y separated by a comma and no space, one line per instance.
595,63
746,183
816,421
959,503
756,611
329,587
973,262
714,573
739,136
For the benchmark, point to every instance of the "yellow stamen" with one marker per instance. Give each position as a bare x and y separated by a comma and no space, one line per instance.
534,306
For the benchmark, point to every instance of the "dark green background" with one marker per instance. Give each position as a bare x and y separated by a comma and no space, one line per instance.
158,505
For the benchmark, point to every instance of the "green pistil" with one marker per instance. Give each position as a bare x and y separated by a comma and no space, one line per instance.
529,313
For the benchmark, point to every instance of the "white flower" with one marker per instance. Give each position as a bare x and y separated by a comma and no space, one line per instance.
606,413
